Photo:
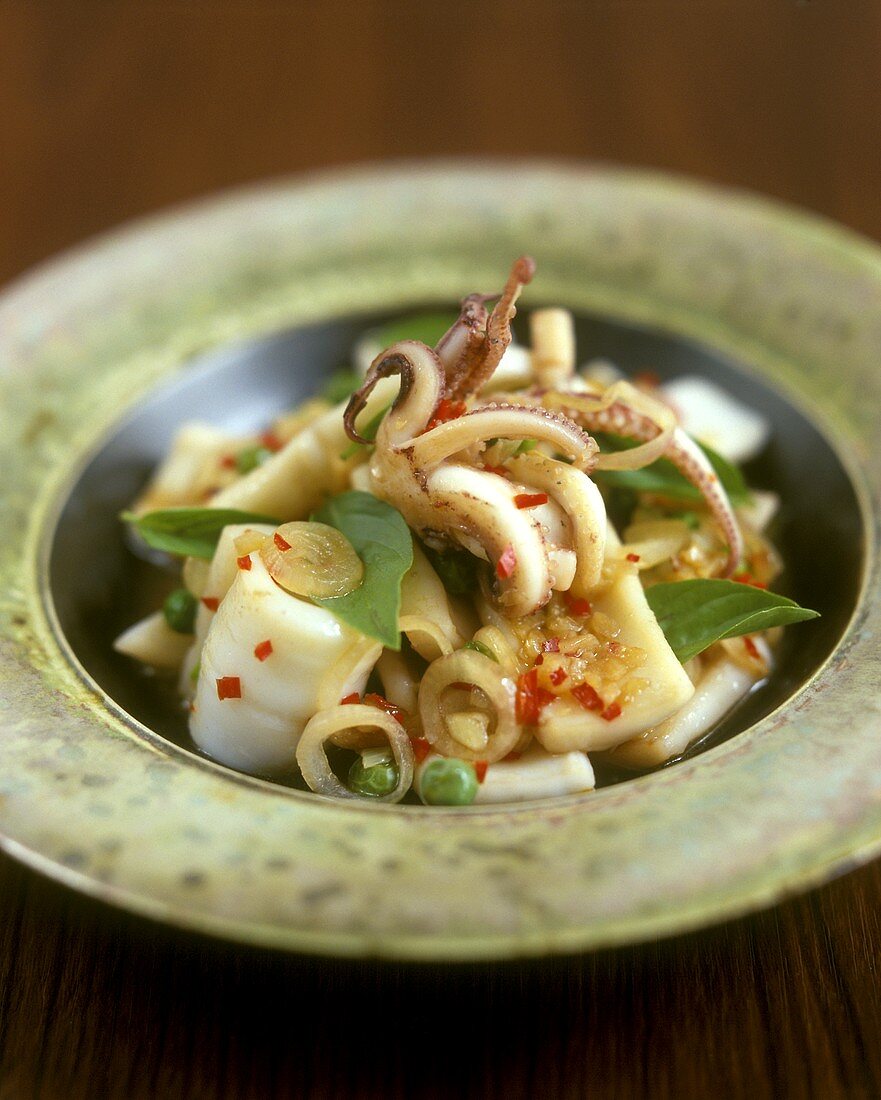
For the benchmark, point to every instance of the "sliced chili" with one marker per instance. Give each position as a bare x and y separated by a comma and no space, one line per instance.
271,441
421,748
446,410
587,697
576,605
229,687
507,563
530,699
374,700
530,500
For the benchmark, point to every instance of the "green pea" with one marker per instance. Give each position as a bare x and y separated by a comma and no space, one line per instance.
180,611
373,781
250,458
448,782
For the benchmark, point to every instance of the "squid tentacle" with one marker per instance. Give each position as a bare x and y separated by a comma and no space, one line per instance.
688,459
460,346
421,387
478,367
509,422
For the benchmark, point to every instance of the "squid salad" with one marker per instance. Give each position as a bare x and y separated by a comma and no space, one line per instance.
473,571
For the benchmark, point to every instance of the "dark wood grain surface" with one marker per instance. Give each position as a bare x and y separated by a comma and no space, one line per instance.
110,110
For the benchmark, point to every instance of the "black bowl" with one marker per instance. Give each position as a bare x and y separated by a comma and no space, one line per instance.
99,587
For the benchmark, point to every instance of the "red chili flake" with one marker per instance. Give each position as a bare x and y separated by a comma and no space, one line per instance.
751,647
507,563
576,605
500,470
513,755
530,699
281,542
244,562
421,748
647,378
228,462
611,711
271,442
480,767
262,650
558,676
446,410
229,687
530,500
374,700
587,697
748,578
550,645
211,602
539,660
633,557
353,698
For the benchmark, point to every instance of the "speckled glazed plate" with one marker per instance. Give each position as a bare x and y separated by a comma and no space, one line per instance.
94,798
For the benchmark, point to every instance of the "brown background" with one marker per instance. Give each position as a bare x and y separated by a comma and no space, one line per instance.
110,110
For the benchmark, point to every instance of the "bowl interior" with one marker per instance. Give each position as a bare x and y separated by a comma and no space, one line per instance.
99,587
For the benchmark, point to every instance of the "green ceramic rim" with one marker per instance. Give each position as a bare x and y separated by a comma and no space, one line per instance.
91,799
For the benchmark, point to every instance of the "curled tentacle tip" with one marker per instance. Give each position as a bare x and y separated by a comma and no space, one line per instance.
524,269
355,405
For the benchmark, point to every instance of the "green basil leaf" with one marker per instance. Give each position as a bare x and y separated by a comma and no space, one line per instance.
368,432
191,532
663,478
341,385
426,327
694,614
382,540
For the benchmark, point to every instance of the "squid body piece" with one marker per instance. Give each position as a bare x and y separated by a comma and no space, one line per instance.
154,642
433,624
296,479
565,726
537,774
189,469
710,414
721,684
314,661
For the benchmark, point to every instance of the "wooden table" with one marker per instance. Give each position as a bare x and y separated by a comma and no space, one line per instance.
112,110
